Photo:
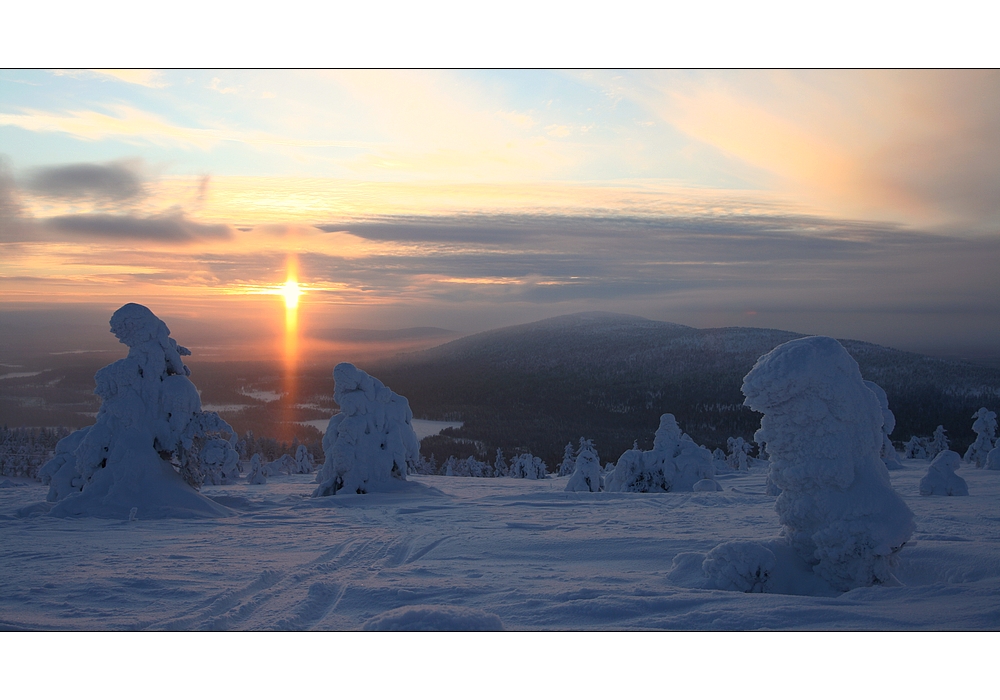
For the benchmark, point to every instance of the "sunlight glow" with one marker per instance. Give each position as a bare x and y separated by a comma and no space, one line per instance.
290,290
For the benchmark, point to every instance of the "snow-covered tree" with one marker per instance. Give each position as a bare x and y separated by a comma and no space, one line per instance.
426,465
258,473
449,465
888,452
675,463
284,464
500,467
985,427
739,454
371,441
941,479
219,462
527,466
915,448
304,462
938,443
719,455
148,436
587,470
823,429
568,463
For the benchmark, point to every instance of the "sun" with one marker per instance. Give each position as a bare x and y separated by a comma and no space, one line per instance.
290,290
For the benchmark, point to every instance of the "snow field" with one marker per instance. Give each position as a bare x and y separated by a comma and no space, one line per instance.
526,551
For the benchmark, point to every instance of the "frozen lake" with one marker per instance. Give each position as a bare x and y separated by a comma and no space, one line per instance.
526,552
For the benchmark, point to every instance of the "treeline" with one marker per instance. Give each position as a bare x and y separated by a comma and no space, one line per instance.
24,450
535,387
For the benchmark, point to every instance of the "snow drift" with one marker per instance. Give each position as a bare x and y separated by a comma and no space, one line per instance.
371,441
151,444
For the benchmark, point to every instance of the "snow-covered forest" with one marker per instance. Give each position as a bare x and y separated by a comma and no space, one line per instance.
161,497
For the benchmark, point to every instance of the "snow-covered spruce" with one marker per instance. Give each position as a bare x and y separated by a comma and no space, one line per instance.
587,470
219,462
568,463
985,427
151,443
888,452
941,479
823,429
304,462
527,466
915,448
938,443
284,464
738,458
371,441
258,473
675,463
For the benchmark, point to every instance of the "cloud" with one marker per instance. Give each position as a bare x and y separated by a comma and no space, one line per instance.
111,181
137,76
172,227
916,146
10,203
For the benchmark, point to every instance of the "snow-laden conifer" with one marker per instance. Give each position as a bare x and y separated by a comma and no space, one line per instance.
888,452
823,429
258,473
568,463
675,463
739,454
304,462
145,449
500,467
527,466
587,469
941,479
938,442
371,441
985,427
915,448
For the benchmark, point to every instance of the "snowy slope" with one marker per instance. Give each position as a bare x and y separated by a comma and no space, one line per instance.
525,551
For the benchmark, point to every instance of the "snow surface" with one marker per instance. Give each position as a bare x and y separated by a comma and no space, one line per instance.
527,551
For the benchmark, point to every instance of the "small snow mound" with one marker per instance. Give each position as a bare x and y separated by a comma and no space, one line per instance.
941,479
371,441
993,459
706,485
740,566
434,618
8,484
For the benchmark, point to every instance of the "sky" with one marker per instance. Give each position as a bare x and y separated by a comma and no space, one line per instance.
859,204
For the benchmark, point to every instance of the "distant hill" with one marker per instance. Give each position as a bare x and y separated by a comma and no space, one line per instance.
610,376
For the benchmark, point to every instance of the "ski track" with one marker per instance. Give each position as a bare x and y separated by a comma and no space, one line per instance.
536,556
